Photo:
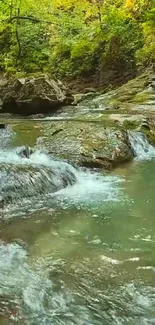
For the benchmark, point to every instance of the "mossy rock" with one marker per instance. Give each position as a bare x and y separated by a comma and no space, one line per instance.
89,144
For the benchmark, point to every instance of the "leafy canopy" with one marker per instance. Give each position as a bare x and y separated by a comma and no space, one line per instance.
71,38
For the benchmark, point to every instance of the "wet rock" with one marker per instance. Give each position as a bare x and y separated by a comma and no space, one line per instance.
2,202
19,181
145,125
25,152
84,96
137,94
3,126
148,128
37,116
28,96
89,144
127,120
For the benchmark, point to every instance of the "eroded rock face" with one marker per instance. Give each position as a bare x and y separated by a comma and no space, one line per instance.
26,96
89,144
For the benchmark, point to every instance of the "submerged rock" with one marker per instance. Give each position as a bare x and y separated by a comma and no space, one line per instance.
26,96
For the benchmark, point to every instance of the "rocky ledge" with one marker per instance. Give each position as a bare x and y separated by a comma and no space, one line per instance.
33,95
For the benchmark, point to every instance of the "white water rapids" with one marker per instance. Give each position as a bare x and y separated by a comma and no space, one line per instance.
41,177
69,265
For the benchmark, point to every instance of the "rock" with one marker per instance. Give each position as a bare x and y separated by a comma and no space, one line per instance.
89,90
148,128
137,94
3,126
89,144
77,98
2,202
37,116
25,152
19,181
28,96
145,125
127,120
85,96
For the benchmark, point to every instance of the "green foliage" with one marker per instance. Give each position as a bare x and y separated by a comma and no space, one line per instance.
77,38
146,54
123,38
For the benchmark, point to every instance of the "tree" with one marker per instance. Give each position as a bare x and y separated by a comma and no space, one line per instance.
70,37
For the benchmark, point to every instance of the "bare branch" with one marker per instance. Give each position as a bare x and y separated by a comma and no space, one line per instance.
33,19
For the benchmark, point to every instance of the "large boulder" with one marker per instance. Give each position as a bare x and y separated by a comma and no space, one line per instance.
26,96
88,144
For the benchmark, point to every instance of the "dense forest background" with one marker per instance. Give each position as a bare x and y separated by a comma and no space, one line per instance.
104,40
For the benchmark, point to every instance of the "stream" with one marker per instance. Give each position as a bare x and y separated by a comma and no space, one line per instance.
76,245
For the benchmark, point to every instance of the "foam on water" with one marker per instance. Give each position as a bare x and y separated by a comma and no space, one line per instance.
92,187
37,174
37,158
143,150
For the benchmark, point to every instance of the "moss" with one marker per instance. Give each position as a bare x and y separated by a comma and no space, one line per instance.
132,90
108,122
146,55
141,97
130,125
150,135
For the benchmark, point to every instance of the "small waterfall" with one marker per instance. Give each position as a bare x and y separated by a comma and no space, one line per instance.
32,181
143,150
22,177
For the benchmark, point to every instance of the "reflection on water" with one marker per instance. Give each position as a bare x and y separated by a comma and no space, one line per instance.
87,258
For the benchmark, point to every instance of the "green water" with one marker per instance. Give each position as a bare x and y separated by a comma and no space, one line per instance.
81,262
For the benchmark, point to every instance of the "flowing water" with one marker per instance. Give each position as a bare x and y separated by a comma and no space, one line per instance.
76,246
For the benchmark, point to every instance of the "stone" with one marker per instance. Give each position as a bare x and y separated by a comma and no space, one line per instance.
34,95
89,144
32,180
25,152
3,126
2,202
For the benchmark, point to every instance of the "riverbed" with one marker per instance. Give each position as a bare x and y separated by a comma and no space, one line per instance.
83,255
